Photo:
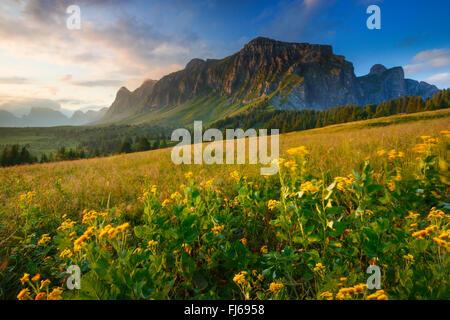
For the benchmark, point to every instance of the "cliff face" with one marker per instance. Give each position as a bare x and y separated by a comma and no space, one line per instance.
129,103
291,75
258,70
382,84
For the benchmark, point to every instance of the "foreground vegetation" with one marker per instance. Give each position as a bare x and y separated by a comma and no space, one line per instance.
140,227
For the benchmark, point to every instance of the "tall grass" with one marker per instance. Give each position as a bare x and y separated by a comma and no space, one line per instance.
70,187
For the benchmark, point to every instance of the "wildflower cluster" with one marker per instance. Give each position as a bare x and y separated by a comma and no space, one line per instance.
38,290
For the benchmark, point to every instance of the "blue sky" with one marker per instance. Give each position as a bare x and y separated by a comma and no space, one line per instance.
124,42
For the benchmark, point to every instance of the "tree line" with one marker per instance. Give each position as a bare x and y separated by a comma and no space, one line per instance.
17,155
262,116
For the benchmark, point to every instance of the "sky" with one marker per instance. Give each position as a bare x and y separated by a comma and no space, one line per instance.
123,42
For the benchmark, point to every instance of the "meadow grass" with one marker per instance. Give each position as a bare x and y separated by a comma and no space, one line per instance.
70,187
116,184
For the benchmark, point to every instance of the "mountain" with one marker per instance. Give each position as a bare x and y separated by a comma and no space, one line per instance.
47,117
81,118
382,84
44,117
7,119
128,103
287,75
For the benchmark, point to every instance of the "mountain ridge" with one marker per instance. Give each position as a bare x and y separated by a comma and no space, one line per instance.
48,117
290,75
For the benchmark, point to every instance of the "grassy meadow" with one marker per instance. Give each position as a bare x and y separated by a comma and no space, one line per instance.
141,227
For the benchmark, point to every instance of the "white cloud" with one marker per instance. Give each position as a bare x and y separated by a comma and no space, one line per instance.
428,61
13,80
442,80
105,53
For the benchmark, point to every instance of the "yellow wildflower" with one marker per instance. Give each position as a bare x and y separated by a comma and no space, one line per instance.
66,253
23,294
104,231
44,284
55,294
123,227
272,204
41,296
25,278
319,267
300,151
308,187
235,175
187,248
44,239
152,243
391,186
378,295
275,286
327,295
217,229
176,195
67,224
240,277
435,214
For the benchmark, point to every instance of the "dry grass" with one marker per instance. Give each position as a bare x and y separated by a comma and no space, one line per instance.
70,187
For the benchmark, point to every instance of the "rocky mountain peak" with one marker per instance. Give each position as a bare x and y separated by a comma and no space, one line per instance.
194,63
261,41
377,69
123,90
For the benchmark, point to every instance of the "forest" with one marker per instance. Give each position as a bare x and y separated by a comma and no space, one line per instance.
296,120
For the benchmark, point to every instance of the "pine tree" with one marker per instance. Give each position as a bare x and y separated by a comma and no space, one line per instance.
143,144
125,147
156,144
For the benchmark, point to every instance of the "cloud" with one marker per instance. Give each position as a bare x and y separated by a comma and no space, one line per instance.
68,79
428,61
13,80
116,46
120,45
99,83
442,80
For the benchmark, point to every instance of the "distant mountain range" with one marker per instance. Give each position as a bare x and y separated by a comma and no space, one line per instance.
47,117
286,75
